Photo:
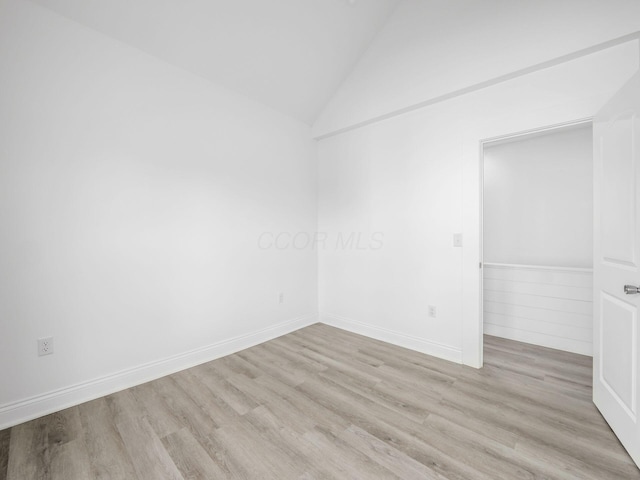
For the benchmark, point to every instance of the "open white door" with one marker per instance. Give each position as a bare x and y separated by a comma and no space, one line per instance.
616,367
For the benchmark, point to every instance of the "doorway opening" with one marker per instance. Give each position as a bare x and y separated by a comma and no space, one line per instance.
537,238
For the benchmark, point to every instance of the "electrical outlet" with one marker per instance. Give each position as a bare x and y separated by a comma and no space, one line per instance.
281,298
432,311
45,346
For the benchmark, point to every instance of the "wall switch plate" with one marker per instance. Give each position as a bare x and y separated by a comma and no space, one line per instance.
281,298
45,346
432,311
457,239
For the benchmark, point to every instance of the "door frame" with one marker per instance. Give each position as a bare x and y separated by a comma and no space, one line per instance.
482,144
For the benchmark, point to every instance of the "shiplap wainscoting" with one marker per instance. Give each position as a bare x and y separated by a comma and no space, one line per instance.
547,306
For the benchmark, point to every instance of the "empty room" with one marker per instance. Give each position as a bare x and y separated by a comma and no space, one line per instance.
319,239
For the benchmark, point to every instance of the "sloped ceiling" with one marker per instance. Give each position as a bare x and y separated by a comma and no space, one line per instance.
432,48
289,54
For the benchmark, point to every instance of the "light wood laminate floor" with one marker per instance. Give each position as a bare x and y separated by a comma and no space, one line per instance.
323,403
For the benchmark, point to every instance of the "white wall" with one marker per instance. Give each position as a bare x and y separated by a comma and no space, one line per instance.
400,179
429,49
416,179
132,197
538,200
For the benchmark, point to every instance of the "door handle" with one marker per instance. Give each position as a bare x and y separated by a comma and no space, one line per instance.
631,289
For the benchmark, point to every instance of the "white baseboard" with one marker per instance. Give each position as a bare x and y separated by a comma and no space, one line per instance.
37,406
395,338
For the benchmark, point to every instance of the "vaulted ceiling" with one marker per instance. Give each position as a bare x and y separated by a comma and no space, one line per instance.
291,55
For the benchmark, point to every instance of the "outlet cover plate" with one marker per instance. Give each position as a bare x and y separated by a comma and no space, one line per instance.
45,346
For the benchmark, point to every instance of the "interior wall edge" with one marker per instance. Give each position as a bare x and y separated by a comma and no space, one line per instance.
410,342
21,411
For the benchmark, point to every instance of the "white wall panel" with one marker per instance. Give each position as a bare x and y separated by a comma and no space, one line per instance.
548,306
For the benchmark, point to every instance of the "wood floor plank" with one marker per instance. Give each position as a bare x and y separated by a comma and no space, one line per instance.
237,400
316,462
63,427
106,450
309,365
563,417
184,408
35,447
387,456
493,458
226,458
149,456
333,357
262,459
71,461
275,430
463,417
323,417
537,431
190,457
389,426
219,411
299,421
158,414
124,406
275,365
234,365
323,403
5,436
29,456
343,460
413,409
352,349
